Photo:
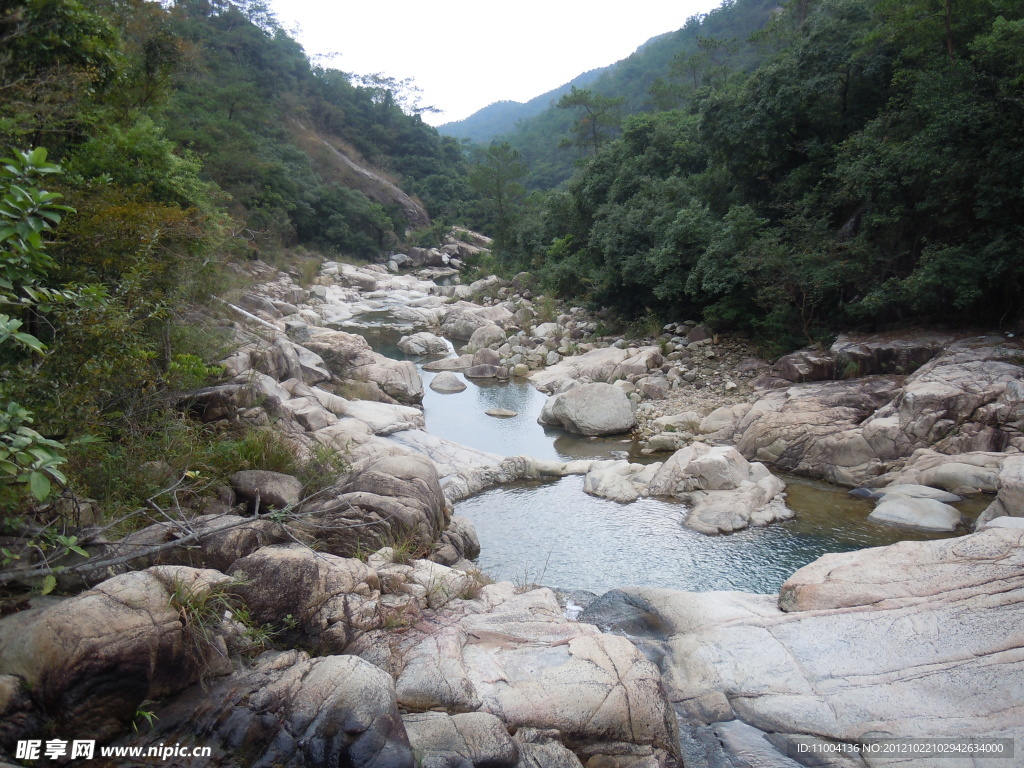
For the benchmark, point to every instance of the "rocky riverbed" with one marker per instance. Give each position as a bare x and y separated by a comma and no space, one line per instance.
393,650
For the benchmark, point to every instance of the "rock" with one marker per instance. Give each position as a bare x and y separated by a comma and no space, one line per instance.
485,356
1010,498
688,421
423,343
393,498
483,371
349,357
1005,522
849,432
951,607
458,542
90,661
726,492
520,369
309,414
485,336
516,657
966,478
871,355
501,413
598,365
540,748
223,539
916,512
360,280
440,583
699,333
618,480
590,409
666,441
447,381
462,319
805,365
478,738
381,418
723,419
330,599
452,364
907,489
289,709
266,490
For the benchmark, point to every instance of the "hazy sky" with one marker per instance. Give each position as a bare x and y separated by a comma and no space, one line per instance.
465,54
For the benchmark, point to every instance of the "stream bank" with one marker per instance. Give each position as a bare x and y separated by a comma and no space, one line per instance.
386,661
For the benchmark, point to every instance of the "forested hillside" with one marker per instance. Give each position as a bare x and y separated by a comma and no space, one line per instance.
187,134
718,41
502,117
867,173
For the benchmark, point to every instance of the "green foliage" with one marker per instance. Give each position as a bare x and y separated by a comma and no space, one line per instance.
26,214
649,78
55,55
26,457
139,155
597,118
495,178
867,172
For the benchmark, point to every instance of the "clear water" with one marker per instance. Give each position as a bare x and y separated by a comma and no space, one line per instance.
554,534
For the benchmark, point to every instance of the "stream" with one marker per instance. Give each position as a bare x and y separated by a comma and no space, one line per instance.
554,534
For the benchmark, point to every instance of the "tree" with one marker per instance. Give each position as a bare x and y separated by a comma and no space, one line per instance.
495,177
26,213
598,117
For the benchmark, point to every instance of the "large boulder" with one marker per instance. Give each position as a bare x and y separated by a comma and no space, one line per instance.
349,358
915,640
486,336
423,343
724,490
220,540
265,490
815,429
1010,499
289,709
329,599
916,513
462,319
89,662
388,500
859,355
606,365
590,409
805,365
517,657
969,398
447,382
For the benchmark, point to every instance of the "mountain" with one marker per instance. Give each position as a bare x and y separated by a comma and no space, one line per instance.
537,136
502,116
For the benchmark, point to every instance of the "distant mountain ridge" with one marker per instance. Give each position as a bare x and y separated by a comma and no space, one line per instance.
502,117
536,132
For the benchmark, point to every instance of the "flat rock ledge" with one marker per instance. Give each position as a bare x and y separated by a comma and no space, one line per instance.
914,640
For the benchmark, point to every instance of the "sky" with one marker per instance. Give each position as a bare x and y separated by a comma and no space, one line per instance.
466,54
